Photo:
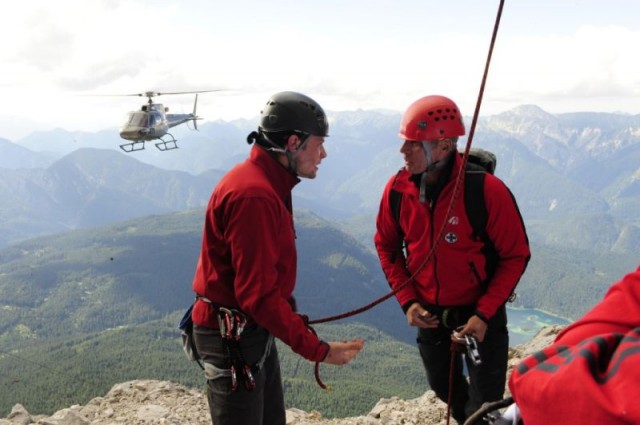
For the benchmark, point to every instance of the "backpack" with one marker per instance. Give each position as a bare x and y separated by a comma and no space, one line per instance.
479,163
188,345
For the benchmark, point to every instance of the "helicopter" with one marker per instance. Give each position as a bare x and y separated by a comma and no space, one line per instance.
152,122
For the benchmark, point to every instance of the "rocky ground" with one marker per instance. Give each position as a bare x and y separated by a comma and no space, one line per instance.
145,402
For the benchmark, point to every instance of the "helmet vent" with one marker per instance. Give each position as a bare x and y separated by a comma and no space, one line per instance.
308,105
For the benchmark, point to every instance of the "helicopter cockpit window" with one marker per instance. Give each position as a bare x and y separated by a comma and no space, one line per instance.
155,118
138,119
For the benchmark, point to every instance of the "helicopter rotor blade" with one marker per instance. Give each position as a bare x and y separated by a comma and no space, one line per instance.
151,93
187,92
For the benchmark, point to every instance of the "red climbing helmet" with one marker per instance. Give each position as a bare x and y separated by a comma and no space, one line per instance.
431,118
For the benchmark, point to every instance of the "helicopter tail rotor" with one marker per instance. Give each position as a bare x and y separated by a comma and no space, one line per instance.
195,116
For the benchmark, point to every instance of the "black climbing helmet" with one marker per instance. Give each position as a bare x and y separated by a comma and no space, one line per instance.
291,111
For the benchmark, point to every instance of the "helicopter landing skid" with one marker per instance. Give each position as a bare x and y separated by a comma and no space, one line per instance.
167,145
132,147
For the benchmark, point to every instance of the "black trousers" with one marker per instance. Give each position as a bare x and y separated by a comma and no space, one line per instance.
262,406
486,381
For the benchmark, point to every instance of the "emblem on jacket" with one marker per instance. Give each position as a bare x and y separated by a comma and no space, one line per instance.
451,237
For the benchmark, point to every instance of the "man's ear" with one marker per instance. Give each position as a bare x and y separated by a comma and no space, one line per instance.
447,145
293,142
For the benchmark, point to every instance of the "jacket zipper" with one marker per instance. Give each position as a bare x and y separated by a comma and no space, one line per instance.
475,272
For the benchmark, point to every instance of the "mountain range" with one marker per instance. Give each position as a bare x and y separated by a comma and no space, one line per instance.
575,176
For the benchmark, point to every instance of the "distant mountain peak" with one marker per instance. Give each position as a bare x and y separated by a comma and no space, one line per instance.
530,112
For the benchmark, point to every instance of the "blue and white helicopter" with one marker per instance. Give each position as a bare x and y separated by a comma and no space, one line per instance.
152,122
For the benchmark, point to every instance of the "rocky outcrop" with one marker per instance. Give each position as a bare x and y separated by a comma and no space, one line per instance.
145,402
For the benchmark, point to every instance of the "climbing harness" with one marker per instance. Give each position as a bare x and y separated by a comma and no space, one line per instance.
232,322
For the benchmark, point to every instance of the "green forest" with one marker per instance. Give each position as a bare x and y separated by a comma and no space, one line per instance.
84,310
55,375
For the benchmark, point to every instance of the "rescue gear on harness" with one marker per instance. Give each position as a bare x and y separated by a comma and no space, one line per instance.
471,345
232,323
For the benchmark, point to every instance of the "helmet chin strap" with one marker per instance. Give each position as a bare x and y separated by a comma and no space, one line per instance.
293,165
291,156
431,166
274,146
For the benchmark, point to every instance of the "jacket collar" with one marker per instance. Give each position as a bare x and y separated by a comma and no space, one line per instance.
410,183
280,178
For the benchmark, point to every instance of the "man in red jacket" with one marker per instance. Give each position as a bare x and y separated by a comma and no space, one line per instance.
590,374
246,272
459,287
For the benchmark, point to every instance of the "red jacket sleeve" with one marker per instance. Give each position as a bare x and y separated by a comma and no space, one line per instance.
255,229
506,230
590,374
388,241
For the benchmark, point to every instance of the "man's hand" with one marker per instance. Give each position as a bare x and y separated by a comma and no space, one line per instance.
421,318
341,353
475,327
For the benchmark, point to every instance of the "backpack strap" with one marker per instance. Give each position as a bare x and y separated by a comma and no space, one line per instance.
476,210
474,203
395,202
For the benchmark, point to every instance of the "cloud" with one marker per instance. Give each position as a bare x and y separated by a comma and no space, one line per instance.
356,55
589,65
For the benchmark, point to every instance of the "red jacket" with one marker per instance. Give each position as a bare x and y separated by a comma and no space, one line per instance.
248,258
453,276
590,374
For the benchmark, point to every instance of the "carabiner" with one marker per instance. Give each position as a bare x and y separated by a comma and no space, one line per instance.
249,381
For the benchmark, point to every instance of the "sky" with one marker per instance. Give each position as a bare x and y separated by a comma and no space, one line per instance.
63,62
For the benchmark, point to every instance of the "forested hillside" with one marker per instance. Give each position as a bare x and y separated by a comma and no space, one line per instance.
72,370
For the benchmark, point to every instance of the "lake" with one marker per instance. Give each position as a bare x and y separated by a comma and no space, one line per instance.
524,323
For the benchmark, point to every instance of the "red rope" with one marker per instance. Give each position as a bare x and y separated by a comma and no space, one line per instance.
455,349
456,192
